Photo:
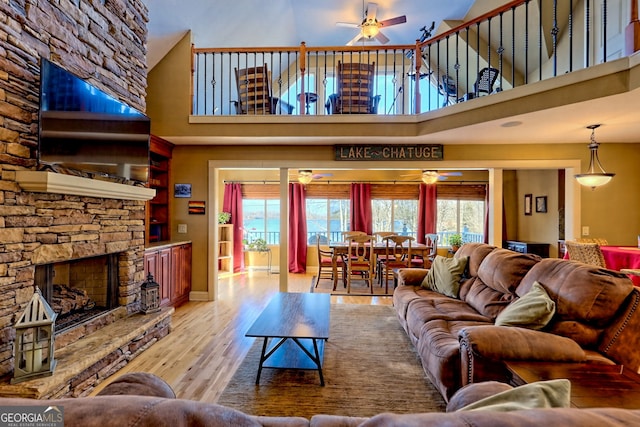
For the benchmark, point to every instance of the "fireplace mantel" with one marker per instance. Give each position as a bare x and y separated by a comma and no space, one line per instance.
50,182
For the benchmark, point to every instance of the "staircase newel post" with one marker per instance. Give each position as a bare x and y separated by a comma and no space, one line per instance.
632,32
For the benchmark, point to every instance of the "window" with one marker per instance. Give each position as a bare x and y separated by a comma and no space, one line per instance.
400,216
327,219
261,220
464,217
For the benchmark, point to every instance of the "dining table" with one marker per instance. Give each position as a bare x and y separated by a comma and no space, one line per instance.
622,257
619,258
340,249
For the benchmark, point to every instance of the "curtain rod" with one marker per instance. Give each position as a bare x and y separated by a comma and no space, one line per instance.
329,181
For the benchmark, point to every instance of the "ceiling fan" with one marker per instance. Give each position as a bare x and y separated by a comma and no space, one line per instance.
430,176
370,26
305,176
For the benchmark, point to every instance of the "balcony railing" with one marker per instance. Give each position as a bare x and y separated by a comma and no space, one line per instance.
523,41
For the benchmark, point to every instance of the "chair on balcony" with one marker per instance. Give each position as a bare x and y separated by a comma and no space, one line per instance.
355,90
448,89
484,83
254,93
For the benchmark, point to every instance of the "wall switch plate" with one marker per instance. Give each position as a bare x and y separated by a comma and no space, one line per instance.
182,228
585,230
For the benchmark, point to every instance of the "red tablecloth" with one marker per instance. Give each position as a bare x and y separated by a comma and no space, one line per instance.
619,257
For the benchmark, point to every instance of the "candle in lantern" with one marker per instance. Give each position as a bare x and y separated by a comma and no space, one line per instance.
34,360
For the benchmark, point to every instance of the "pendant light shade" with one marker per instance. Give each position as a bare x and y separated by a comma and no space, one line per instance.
596,175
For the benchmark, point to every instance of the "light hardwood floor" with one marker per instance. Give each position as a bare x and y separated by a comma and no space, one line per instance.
207,342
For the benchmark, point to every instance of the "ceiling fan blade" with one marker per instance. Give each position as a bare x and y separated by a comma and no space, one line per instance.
355,40
347,24
382,38
393,21
451,173
372,9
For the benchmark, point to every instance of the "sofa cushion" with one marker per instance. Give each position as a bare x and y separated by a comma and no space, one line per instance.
440,308
498,276
445,274
472,393
587,298
138,383
533,310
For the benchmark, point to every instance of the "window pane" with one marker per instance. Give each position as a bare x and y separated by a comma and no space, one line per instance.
381,213
273,222
473,215
339,216
317,220
405,217
253,221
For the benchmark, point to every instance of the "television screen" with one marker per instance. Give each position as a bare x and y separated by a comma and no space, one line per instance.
85,129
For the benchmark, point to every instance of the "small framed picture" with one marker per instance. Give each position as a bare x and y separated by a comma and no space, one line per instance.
196,207
182,190
541,204
528,204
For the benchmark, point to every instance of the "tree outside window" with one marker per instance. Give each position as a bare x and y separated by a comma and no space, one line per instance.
327,219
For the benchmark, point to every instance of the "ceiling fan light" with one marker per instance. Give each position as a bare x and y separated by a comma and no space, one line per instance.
430,177
305,176
370,29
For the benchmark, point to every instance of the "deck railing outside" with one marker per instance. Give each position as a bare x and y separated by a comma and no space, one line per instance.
519,43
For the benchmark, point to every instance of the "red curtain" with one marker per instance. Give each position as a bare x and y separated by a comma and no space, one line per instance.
361,216
233,204
297,229
427,211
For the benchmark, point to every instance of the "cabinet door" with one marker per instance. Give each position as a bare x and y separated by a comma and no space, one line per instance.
164,271
186,270
151,265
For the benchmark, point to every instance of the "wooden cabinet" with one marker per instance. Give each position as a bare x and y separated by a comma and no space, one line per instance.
170,266
541,249
225,248
158,209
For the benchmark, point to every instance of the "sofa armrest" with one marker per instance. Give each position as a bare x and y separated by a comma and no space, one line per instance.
411,276
484,348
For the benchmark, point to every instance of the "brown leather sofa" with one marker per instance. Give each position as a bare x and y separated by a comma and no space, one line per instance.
151,403
596,318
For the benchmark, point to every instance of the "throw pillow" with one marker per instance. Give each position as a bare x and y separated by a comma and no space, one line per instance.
445,274
534,310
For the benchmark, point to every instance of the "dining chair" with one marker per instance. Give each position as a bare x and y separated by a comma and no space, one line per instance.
325,263
397,254
599,240
361,260
588,253
380,235
431,241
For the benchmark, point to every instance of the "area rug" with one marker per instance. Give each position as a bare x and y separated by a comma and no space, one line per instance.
358,288
370,366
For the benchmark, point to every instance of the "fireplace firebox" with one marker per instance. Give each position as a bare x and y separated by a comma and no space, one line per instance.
80,289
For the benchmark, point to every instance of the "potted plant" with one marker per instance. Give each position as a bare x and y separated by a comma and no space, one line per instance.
257,245
224,217
455,240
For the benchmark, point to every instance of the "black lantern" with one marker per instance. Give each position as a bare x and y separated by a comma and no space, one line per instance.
150,295
34,345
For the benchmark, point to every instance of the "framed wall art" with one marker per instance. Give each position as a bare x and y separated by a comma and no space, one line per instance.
528,204
541,204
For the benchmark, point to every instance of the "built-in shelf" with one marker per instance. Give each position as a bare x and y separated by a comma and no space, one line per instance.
51,182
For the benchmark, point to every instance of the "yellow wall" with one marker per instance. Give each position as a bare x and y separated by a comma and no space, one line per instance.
608,211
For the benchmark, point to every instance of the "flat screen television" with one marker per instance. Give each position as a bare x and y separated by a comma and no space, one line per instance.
84,129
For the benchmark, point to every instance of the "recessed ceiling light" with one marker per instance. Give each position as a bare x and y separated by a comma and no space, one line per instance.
511,124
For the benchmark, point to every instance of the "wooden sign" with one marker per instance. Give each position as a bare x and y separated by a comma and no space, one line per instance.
390,152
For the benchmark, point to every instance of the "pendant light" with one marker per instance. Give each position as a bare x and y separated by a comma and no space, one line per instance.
596,175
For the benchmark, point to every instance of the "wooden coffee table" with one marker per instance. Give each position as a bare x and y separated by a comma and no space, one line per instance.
294,327
592,385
